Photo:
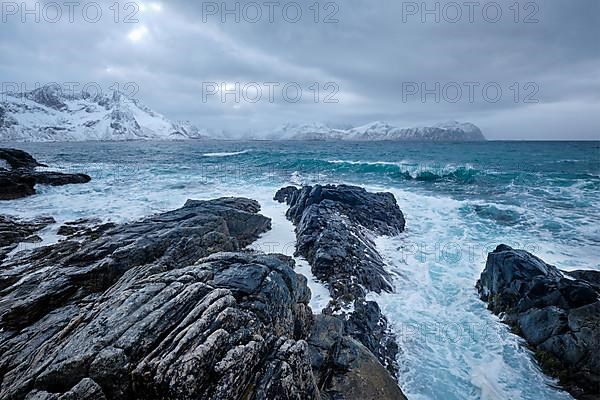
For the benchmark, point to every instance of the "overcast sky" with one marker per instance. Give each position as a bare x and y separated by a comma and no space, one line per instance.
370,60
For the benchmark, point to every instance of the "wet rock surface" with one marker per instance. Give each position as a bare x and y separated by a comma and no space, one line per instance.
84,228
334,227
557,313
172,307
18,176
14,231
134,314
344,368
334,230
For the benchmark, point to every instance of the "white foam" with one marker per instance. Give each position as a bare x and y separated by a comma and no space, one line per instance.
236,153
444,330
282,239
47,235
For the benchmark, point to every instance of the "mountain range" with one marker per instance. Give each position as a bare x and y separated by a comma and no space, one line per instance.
48,114
379,131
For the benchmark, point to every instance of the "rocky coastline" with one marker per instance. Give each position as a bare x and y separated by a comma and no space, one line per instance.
175,306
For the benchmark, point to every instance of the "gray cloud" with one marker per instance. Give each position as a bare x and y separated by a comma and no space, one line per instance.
372,54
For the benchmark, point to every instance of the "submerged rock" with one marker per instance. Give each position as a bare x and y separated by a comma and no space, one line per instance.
18,176
559,316
334,228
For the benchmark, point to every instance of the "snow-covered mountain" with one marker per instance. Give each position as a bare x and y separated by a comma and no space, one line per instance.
377,131
50,114
312,131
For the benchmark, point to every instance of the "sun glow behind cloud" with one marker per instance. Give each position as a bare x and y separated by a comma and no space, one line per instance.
137,34
147,12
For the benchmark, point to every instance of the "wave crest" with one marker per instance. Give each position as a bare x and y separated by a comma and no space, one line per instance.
236,153
410,171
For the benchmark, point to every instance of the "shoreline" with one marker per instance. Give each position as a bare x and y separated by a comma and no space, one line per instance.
421,209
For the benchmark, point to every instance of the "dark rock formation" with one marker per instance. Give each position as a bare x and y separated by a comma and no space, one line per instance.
344,368
14,231
18,177
591,277
84,227
559,316
170,307
134,314
334,226
18,159
14,186
224,328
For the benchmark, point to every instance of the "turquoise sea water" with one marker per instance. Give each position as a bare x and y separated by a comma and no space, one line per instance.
460,200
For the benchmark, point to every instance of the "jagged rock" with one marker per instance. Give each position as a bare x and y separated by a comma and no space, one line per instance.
168,307
591,277
79,268
345,368
177,334
334,226
19,177
14,231
377,212
18,159
134,314
557,315
84,227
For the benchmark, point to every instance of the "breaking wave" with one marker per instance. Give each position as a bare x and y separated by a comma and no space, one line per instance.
411,171
236,153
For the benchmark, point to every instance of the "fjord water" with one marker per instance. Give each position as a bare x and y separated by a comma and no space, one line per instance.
460,200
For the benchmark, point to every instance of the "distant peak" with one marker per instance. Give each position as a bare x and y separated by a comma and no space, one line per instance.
382,130
50,89
51,96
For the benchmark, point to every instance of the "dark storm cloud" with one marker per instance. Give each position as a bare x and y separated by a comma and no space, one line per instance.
545,60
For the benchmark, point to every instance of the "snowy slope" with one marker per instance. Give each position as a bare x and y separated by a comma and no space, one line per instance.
312,131
377,131
49,114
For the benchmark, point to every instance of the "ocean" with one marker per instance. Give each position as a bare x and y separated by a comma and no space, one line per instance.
460,201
